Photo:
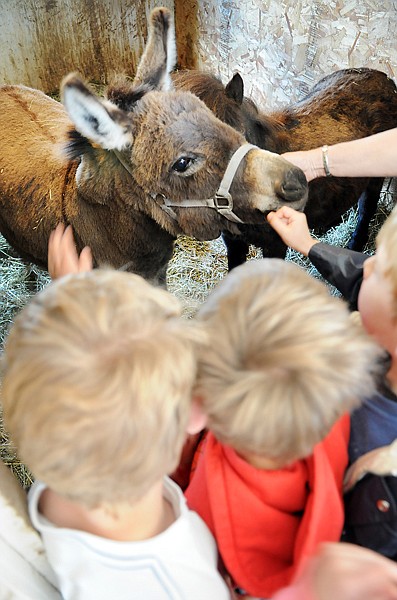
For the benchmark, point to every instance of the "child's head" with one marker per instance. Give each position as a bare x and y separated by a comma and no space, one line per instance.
377,299
284,361
97,381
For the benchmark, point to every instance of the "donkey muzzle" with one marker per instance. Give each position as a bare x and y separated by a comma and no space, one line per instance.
293,187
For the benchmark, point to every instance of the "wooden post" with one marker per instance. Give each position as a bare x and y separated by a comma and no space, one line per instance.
186,28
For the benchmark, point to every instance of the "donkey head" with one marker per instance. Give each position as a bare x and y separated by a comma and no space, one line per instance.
168,149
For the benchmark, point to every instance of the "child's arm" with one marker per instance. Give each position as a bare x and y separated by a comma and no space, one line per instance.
292,227
62,253
344,572
341,267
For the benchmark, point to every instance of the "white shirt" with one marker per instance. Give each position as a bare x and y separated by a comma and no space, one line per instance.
178,564
25,573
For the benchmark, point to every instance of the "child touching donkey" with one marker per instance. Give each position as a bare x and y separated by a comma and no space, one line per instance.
97,382
370,283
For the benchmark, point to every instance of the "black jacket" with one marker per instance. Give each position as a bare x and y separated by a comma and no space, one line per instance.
341,267
371,503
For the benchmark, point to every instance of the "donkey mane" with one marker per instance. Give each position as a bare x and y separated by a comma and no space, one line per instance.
76,145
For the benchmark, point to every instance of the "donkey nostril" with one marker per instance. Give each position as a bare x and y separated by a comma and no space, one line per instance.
294,187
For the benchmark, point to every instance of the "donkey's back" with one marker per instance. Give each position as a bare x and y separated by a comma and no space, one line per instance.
34,170
346,105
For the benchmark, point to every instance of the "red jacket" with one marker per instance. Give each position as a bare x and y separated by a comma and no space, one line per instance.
265,522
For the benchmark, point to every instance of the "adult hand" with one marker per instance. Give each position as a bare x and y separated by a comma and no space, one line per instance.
63,257
310,161
291,226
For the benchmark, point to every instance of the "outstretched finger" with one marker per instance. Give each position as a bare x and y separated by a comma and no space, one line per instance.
86,262
54,244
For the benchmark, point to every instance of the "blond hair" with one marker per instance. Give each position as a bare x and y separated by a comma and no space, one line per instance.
284,361
97,379
387,236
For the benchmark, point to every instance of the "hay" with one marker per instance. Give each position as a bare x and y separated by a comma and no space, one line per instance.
11,460
18,282
340,235
194,270
197,267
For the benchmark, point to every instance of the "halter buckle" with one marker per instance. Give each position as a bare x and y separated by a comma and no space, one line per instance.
223,201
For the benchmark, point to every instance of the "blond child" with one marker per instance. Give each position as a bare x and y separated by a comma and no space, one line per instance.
283,366
370,283
97,381
339,570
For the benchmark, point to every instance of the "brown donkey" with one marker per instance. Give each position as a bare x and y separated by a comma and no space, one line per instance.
348,104
140,167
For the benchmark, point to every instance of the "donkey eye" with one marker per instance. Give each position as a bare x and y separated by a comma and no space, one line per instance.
182,164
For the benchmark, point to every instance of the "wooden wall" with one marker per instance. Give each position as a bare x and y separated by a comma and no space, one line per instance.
43,40
280,47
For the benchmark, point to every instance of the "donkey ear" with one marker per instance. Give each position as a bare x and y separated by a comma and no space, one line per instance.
235,89
96,119
159,57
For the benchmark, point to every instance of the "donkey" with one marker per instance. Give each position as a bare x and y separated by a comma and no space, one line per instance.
348,104
133,171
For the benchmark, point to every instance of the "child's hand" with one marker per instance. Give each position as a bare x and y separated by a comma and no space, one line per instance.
350,572
380,461
62,254
291,226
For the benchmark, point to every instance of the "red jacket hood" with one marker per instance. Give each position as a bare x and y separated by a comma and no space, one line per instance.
266,522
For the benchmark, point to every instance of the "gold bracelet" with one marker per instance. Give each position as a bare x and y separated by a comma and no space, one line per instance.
324,150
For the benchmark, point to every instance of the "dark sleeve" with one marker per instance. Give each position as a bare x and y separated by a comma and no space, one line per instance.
368,524
341,267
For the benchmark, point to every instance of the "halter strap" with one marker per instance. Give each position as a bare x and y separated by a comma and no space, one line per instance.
222,201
